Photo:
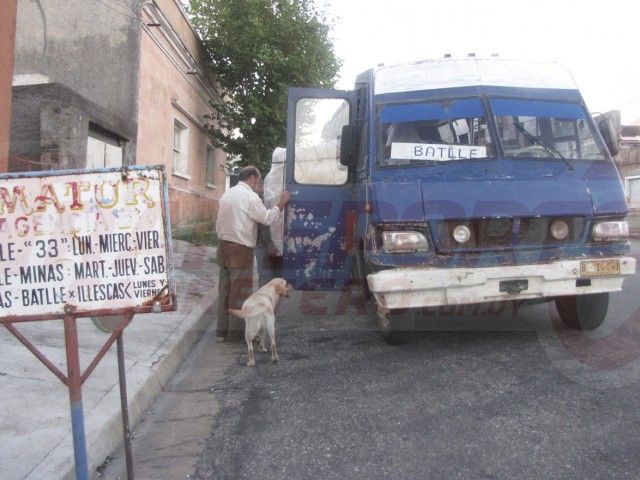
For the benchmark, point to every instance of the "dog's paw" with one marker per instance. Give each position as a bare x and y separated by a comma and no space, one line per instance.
251,364
262,349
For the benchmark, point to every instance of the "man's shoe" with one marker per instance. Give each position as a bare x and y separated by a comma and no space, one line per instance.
221,339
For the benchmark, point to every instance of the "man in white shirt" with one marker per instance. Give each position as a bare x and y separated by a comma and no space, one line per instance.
240,212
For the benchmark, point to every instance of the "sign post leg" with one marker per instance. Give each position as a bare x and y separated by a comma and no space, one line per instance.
125,407
74,382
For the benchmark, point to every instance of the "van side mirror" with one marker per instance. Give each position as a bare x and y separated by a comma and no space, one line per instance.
348,146
605,125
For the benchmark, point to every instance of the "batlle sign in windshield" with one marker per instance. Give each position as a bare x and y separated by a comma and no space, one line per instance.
436,152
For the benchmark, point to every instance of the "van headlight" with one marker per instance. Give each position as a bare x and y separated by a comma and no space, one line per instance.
559,230
461,234
610,231
403,241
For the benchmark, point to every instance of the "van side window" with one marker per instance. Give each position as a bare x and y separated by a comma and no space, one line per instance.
319,125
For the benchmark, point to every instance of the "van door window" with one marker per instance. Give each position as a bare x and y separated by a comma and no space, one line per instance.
433,132
319,125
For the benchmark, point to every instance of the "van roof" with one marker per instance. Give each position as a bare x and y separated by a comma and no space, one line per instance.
471,71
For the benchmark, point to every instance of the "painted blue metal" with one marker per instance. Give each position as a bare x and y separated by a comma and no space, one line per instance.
74,383
510,181
79,441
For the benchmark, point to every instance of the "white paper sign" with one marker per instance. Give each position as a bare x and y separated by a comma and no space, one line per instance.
436,152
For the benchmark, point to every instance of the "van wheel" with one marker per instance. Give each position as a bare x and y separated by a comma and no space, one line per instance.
396,327
583,312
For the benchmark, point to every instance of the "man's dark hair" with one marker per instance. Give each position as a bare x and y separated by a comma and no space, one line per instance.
248,172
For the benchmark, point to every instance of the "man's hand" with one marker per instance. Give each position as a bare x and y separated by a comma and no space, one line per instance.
284,199
272,251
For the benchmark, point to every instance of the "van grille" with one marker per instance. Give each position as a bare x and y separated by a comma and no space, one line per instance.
508,232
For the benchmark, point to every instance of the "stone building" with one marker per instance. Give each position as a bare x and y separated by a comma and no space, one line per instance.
112,83
628,162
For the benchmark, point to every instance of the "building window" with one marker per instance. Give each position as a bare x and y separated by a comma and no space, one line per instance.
633,191
103,151
211,167
180,148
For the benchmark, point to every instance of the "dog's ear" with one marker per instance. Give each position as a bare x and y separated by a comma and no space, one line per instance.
284,288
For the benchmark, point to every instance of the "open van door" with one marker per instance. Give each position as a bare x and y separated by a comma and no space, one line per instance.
315,255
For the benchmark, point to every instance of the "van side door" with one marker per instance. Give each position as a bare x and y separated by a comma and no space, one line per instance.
315,255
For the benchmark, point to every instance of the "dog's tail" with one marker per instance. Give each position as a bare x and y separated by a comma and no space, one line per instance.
237,313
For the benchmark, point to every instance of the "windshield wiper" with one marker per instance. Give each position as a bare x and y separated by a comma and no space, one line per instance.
547,147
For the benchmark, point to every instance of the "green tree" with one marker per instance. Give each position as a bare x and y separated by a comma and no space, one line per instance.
258,49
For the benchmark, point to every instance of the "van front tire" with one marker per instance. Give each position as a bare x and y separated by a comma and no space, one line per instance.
583,312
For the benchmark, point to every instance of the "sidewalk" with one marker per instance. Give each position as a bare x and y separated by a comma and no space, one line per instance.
35,418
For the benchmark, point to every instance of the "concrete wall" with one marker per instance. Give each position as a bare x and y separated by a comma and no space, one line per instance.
86,46
50,126
628,159
628,163
7,48
140,61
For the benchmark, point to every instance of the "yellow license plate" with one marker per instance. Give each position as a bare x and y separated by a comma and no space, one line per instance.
590,268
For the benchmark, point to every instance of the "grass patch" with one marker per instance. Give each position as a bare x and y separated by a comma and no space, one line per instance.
197,233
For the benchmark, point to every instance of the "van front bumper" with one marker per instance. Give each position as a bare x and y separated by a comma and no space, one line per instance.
427,287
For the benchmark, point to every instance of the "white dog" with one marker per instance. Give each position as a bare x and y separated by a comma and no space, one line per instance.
259,313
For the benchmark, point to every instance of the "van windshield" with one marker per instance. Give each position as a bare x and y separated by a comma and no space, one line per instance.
544,129
452,130
434,132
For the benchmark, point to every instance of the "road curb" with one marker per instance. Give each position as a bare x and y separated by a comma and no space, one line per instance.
144,384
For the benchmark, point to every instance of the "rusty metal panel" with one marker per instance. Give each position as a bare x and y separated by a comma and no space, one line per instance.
84,243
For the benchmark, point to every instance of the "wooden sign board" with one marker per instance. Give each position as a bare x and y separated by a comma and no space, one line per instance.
85,242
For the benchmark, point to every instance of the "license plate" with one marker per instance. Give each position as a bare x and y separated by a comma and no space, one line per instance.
590,268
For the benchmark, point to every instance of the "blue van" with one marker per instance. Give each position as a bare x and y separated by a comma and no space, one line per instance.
455,182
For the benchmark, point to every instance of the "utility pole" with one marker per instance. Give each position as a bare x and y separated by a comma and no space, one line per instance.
7,54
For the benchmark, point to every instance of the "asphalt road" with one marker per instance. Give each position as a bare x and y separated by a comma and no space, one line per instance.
487,393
